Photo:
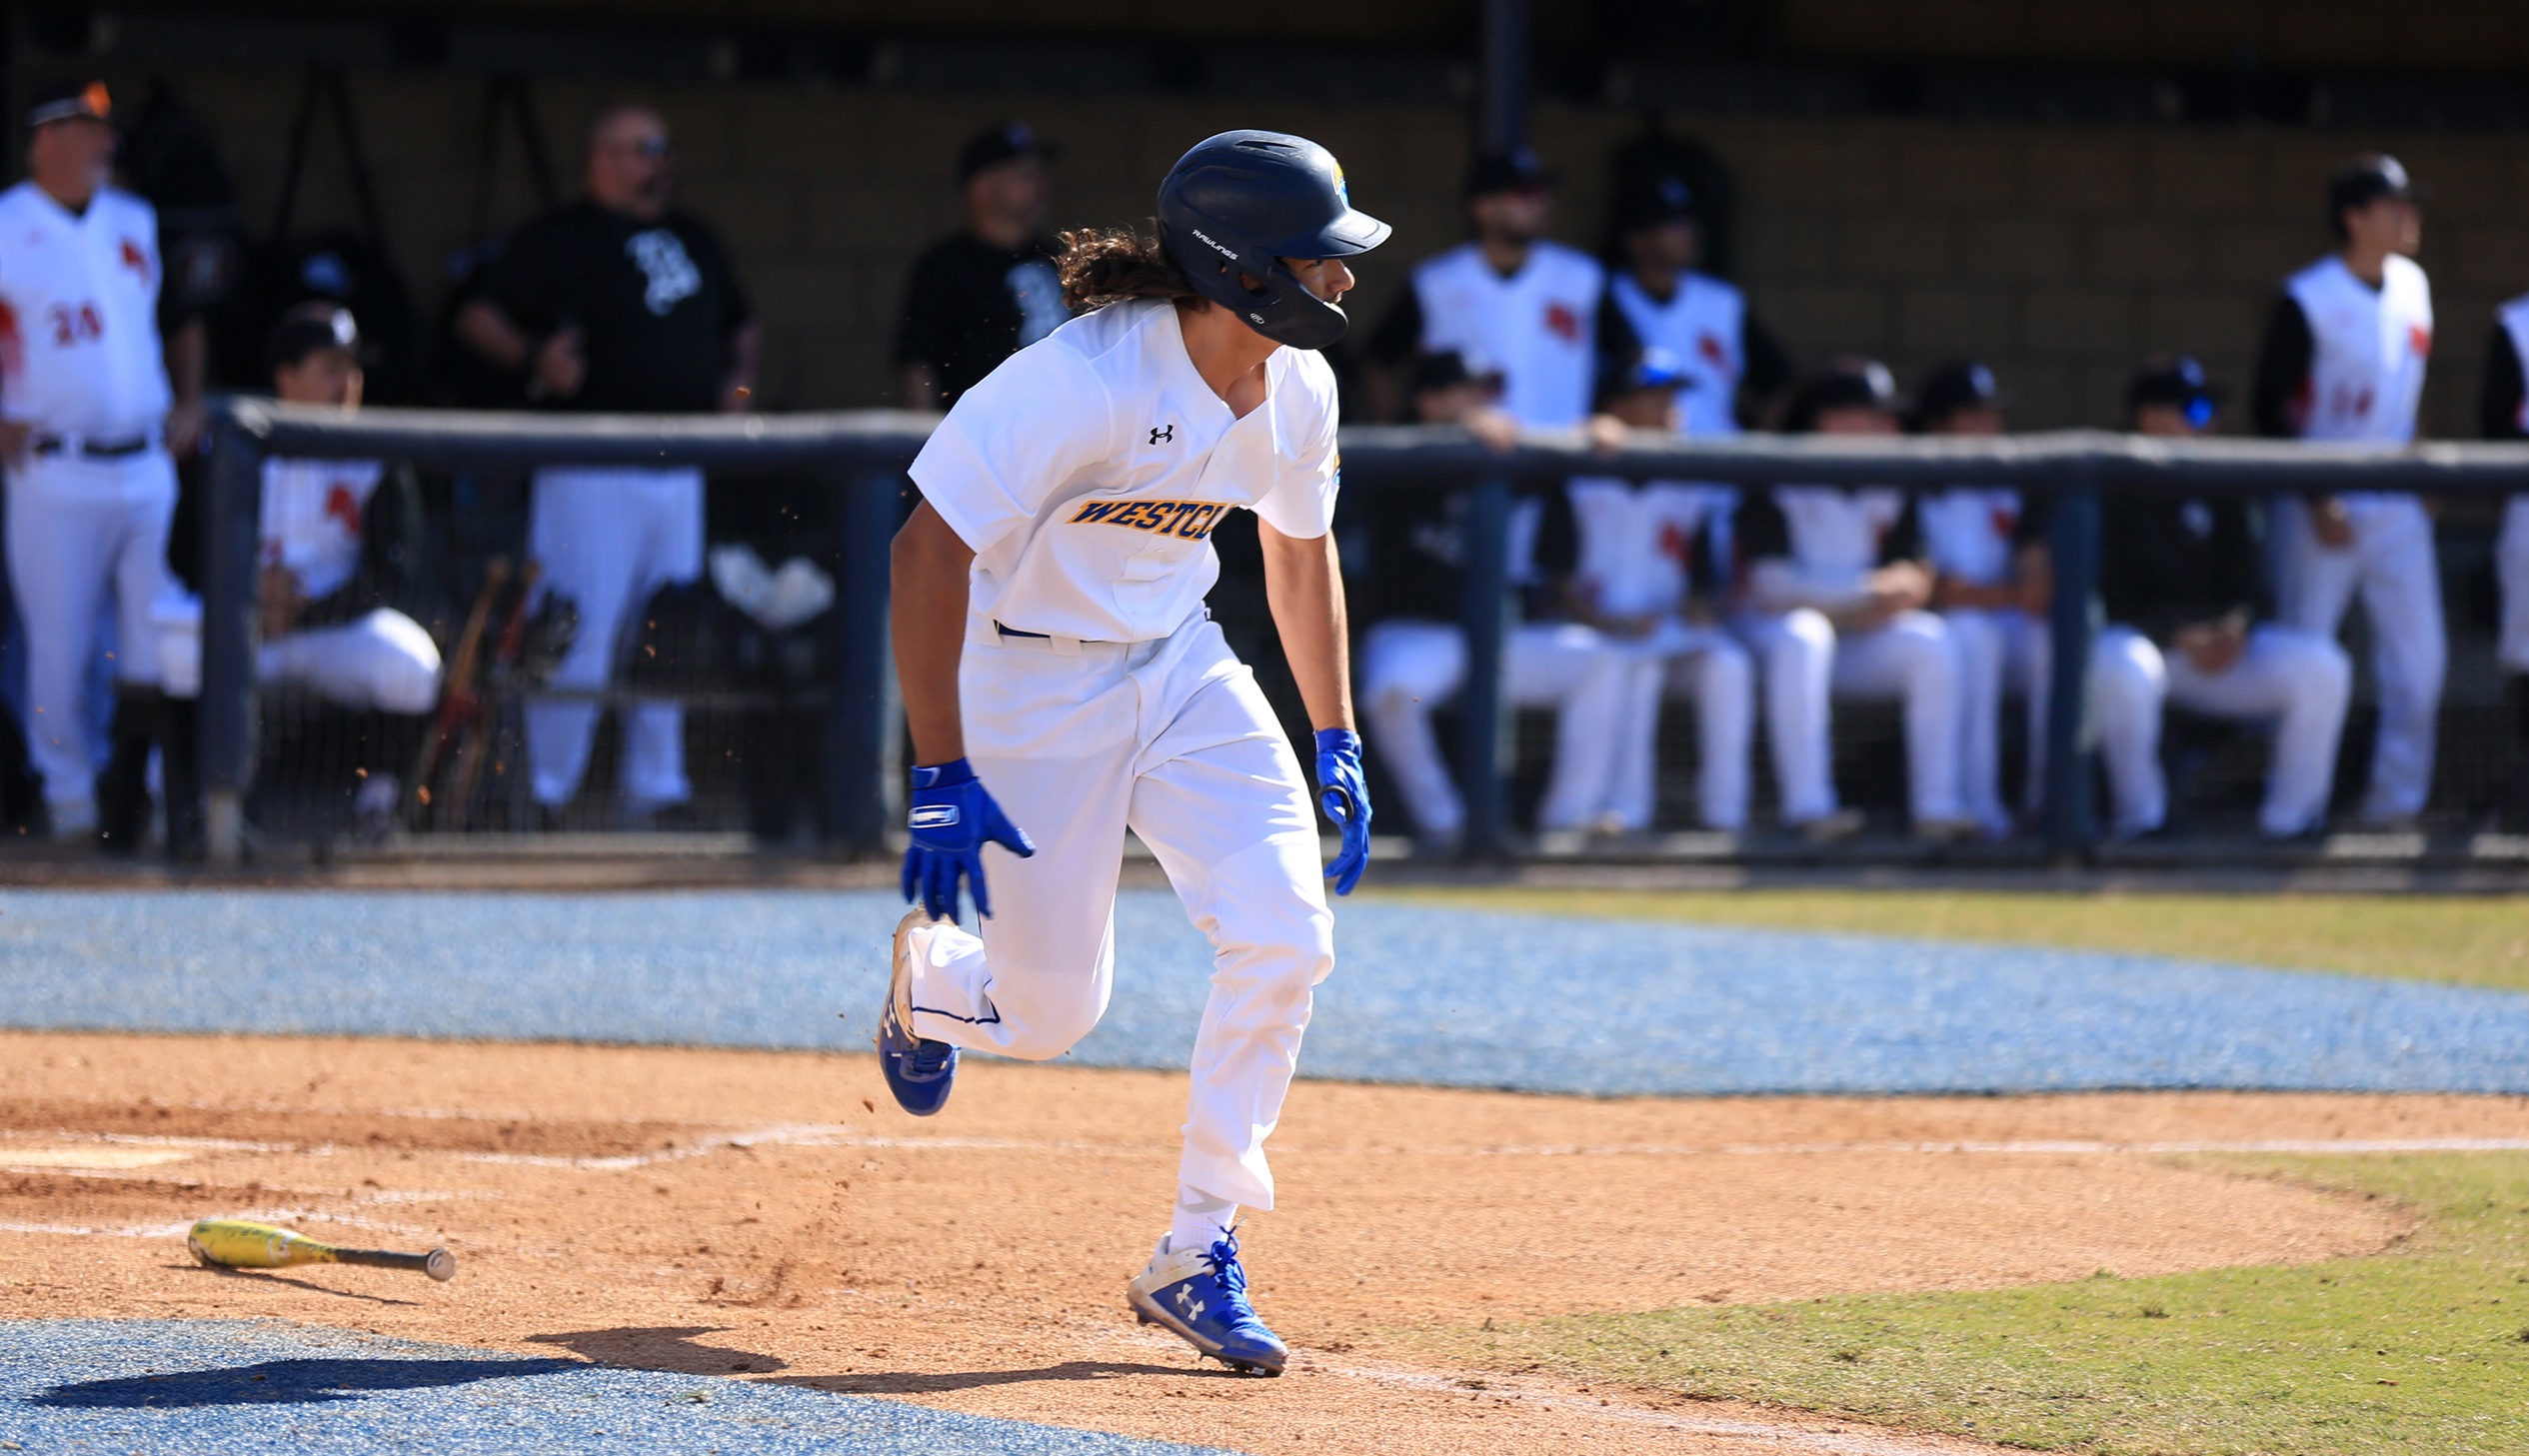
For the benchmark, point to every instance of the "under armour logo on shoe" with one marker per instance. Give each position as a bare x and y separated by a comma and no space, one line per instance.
1187,1301
1163,434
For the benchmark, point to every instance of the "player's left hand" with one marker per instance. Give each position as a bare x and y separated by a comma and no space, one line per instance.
1345,796
183,428
951,816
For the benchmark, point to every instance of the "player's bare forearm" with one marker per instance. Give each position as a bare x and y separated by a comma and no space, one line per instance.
1304,585
489,332
927,607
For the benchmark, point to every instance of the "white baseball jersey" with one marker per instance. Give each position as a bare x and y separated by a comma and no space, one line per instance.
1837,533
2368,348
1635,540
312,514
1089,470
1969,532
1704,323
79,349
1537,325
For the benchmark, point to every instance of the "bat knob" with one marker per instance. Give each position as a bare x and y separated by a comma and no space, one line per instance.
440,1265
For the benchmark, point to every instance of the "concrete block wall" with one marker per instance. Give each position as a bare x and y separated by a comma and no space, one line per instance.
2059,254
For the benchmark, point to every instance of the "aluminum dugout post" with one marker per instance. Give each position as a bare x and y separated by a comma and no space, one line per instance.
863,781
1484,742
232,499
2073,545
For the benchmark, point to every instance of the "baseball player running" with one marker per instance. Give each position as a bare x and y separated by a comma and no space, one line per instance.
2343,359
1835,598
2506,417
1639,546
1051,643
1995,610
90,406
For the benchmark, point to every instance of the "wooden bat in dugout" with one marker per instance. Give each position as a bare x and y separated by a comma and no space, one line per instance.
237,1244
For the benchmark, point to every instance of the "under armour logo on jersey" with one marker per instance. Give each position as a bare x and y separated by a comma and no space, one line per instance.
932,816
1163,434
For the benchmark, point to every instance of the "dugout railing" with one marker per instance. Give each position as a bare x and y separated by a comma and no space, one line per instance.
861,457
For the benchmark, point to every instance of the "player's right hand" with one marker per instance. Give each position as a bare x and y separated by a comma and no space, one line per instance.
952,817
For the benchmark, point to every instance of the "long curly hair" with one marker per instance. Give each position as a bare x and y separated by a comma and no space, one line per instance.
1101,266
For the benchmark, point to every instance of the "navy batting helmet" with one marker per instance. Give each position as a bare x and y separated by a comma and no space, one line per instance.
1241,202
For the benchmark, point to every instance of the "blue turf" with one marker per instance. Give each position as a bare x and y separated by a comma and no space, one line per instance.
1442,996
263,1388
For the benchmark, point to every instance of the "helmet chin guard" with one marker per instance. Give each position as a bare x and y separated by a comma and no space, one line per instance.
1241,202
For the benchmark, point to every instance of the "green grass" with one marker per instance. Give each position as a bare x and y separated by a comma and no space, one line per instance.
2421,1351
2469,940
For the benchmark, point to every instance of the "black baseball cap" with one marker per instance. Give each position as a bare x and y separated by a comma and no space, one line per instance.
1518,169
1449,369
70,101
1963,385
2177,381
307,329
1003,141
1653,201
2365,179
1849,382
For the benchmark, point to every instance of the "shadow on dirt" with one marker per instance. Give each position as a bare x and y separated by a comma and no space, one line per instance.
662,1347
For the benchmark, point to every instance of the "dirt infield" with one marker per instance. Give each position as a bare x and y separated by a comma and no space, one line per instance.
766,1214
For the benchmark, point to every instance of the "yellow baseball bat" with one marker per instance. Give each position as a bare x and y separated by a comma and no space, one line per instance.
238,1244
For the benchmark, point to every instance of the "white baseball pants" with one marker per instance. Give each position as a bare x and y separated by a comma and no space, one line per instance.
1079,741
85,535
608,538
385,661
1913,659
1680,660
2391,564
2511,568
1410,668
2302,680
1998,651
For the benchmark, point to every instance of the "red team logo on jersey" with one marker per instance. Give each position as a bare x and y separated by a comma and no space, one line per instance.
2419,338
341,505
1709,346
1562,323
1672,540
135,258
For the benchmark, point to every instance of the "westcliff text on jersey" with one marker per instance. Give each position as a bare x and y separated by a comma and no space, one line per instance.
1188,520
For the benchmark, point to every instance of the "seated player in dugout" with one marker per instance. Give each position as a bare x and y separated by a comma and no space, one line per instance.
1835,604
978,296
1989,590
1648,568
1055,656
1414,656
342,571
2183,593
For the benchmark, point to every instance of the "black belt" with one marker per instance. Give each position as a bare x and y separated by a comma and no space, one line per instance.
92,448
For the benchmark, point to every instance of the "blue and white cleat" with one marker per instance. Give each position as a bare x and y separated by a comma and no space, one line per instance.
919,1072
1200,1295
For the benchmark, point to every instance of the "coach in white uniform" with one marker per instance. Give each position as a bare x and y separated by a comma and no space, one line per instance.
1513,298
1995,610
1834,601
2343,360
88,415
1053,645
617,303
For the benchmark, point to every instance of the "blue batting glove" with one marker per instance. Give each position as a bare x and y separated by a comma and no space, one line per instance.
1345,796
951,818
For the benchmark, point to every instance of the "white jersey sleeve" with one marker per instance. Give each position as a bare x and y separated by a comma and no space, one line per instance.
1308,468
1012,443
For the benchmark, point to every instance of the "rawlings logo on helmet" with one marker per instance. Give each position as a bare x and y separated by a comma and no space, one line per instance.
1226,250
